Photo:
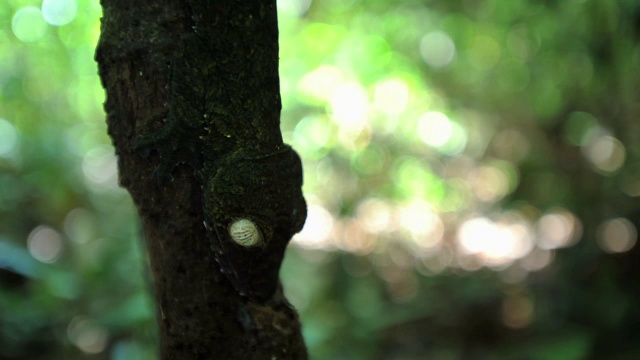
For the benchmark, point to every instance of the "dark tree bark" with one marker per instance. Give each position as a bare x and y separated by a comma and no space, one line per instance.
193,109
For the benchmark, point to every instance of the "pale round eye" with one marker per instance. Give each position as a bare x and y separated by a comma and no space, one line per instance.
245,233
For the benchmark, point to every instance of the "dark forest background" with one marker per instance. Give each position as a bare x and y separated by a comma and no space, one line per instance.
472,170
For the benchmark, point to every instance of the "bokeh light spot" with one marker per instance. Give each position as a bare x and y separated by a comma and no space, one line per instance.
606,153
59,12
313,135
536,260
437,49
435,129
617,235
415,179
79,225
458,195
391,96
558,228
420,220
510,145
349,106
8,137
484,52
375,215
318,85
490,183
28,25
317,229
45,244
370,160
100,166
351,237
294,7
87,335
496,243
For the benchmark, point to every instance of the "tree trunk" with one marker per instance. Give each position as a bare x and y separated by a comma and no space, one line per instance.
193,109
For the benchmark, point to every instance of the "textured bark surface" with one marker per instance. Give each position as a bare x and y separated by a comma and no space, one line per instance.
201,313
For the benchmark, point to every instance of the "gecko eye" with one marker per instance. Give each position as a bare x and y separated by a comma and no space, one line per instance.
245,233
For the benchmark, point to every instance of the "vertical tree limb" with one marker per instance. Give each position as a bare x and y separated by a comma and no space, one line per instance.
193,109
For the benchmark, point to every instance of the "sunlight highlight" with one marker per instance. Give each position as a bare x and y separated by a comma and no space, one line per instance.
495,243
319,84
391,96
316,233
294,7
88,335
349,105
376,215
557,229
100,166
45,244
489,183
606,153
536,260
59,12
419,219
617,235
437,49
438,131
435,129
28,25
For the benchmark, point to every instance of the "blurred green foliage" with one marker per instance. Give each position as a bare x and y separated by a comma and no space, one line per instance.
471,168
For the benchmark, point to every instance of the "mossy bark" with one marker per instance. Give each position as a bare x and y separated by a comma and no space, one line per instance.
201,313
